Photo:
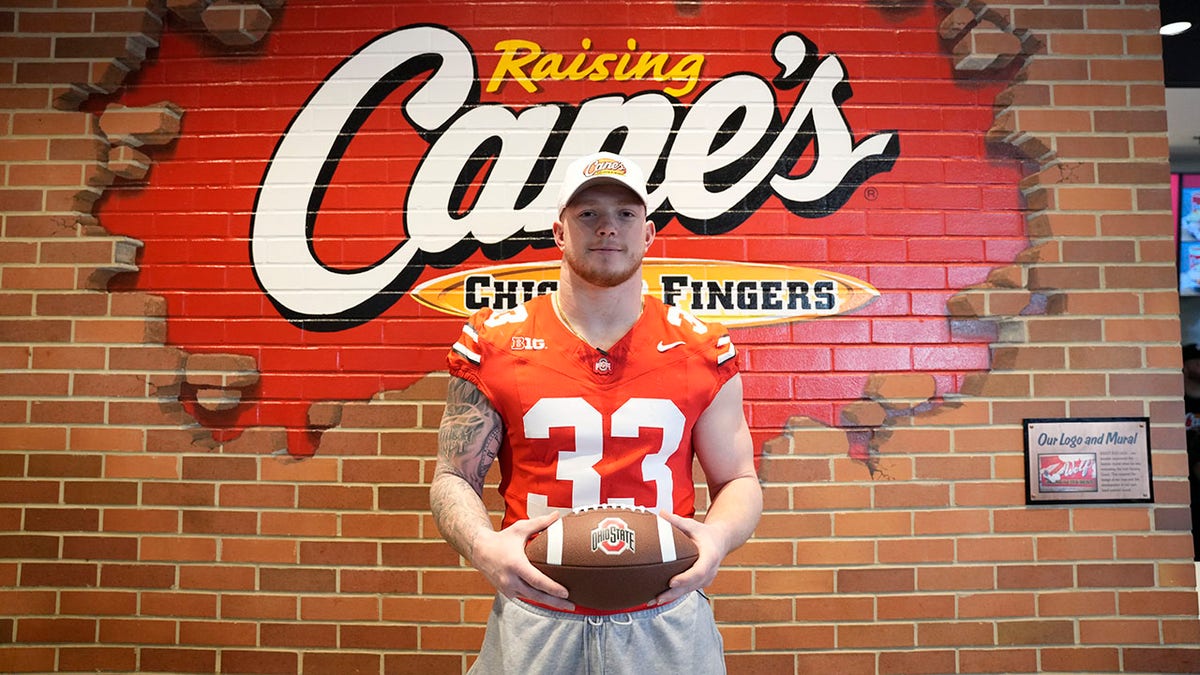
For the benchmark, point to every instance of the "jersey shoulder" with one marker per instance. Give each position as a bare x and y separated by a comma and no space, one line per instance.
487,329
678,330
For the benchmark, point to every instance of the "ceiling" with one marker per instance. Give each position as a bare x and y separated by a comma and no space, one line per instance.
1181,74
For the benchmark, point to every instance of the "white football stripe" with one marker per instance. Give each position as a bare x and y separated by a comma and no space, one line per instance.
554,543
666,539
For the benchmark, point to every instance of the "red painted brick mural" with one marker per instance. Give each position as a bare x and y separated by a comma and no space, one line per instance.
307,193
237,239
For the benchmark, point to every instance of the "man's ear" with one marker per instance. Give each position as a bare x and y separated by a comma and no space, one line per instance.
650,232
559,233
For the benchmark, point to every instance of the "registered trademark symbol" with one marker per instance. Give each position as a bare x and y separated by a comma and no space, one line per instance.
871,193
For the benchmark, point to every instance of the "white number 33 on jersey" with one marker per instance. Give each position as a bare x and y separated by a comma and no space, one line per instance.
577,466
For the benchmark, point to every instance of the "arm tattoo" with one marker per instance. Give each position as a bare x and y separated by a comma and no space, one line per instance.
468,440
470,434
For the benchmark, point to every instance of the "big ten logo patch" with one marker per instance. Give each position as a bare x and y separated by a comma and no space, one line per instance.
523,343
333,211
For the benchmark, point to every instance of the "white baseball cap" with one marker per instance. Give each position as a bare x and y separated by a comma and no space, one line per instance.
601,167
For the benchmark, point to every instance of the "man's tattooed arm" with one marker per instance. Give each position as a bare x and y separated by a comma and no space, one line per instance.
468,440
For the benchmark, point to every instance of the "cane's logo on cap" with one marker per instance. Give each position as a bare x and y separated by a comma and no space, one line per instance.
605,167
602,167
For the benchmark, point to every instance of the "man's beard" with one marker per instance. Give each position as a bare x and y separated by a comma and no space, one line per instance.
604,277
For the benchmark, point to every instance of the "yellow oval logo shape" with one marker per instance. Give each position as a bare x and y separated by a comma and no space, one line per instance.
731,293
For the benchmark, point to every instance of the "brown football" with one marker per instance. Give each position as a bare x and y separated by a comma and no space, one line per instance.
611,557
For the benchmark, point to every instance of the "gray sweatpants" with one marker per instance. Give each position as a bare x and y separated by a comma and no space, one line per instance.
522,639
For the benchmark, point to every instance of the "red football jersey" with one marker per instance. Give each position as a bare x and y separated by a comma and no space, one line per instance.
585,426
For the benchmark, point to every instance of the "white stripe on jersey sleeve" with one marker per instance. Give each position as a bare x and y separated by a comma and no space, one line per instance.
721,342
467,353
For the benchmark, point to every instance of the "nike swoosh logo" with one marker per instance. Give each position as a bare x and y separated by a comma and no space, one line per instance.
671,345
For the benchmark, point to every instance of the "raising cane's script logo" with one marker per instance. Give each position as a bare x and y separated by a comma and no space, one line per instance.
712,163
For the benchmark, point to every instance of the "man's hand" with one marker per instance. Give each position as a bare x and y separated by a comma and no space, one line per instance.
500,556
712,550
721,439
468,439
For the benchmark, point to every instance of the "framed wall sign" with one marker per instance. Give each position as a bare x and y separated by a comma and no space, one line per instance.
1104,459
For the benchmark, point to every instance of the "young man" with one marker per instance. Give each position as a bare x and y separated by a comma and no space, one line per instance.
594,394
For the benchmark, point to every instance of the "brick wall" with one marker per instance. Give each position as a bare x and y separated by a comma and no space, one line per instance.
141,532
